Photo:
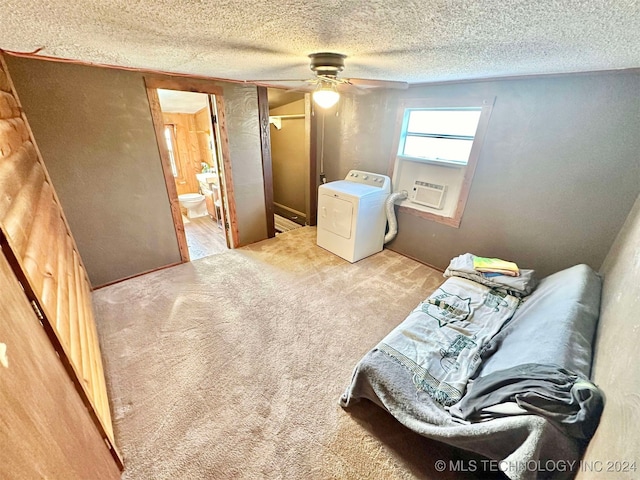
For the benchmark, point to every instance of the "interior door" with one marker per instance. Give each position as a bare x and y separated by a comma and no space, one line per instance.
46,430
44,257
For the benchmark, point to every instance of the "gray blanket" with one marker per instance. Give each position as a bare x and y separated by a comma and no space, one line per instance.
520,443
555,324
571,402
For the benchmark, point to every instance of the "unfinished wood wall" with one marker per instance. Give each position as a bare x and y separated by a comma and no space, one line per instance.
187,149
45,257
205,137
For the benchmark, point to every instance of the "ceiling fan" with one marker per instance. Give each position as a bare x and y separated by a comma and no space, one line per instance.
326,85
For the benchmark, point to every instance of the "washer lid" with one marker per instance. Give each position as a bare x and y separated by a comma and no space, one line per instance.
351,188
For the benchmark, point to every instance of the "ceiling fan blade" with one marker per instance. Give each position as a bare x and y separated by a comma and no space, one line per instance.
364,82
305,89
305,85
274,80
297,85
347,87
326,67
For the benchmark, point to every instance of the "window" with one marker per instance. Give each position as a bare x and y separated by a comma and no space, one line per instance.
169,137
442,135
438,142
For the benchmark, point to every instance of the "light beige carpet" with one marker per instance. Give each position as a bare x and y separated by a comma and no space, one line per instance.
283,224
231,366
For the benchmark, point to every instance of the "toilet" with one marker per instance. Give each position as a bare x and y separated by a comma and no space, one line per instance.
194,203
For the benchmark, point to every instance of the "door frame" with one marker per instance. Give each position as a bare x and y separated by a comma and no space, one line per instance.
311,128
267,162
311,135
152,83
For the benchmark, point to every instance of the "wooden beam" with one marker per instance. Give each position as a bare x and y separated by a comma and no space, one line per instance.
184,84
312,217
267,168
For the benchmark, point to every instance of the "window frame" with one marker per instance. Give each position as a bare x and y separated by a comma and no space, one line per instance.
486,106
405,133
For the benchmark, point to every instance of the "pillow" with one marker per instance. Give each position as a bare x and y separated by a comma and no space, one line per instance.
556,325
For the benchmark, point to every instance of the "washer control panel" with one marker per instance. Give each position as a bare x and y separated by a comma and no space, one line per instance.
368,178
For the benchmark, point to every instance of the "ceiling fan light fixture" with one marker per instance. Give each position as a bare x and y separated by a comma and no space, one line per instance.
326,96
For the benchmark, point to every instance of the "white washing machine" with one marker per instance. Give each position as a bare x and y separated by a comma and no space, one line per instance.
351,216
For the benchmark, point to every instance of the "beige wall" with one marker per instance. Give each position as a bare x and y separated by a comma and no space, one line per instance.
358,133
93,126
243,127
556,177
289,156
616,358
94,129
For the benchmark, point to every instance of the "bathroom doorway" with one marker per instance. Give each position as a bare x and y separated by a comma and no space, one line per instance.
189,126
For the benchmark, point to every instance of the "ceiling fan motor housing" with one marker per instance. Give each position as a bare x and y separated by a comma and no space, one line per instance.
327,64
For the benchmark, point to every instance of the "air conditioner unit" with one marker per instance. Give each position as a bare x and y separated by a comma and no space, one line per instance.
428,194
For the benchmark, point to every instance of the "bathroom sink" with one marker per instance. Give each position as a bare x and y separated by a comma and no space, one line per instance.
207,178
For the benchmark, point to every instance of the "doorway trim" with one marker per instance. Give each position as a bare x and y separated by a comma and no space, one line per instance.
267,163
311,132
311,188
152,83
224,164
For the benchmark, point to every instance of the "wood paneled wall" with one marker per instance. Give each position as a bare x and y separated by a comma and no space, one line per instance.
187,151
45,257
614,447
205,136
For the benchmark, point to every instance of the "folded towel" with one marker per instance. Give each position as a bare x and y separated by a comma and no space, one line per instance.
495,265
520,286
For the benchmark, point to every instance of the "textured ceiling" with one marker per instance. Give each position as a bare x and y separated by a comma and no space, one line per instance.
409,40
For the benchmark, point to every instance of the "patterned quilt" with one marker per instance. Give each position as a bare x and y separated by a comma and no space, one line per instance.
442,340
